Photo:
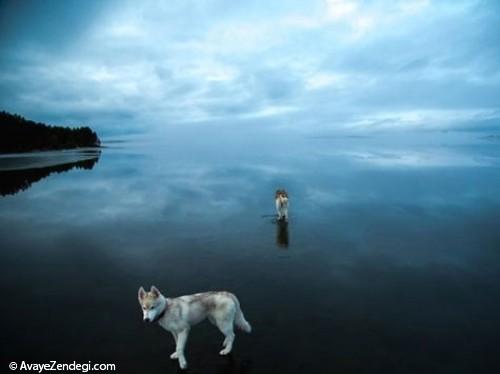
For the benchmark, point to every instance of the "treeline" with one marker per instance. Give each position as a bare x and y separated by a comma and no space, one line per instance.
18,134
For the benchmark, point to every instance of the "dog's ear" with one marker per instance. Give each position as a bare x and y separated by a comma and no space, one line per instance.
141,293
155,291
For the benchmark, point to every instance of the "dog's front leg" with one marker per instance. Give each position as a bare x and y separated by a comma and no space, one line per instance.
181,343
173,356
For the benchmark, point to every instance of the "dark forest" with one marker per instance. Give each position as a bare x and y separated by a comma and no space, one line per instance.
18,134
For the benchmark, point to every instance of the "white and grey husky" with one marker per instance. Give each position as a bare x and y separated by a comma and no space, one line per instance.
177,315
281,199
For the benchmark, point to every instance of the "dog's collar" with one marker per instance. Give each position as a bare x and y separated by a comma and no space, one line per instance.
160,316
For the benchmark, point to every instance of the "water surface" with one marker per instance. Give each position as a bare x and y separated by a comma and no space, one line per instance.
390,261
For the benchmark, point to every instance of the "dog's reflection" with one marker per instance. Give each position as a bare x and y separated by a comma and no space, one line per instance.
282,235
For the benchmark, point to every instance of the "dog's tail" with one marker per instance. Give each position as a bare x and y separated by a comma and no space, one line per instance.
241,322
239,318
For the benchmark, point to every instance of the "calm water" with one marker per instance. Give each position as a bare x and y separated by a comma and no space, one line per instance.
390,262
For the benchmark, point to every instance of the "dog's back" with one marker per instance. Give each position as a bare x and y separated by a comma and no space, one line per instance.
217,306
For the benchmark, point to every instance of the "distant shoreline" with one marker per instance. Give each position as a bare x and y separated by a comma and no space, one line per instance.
19,135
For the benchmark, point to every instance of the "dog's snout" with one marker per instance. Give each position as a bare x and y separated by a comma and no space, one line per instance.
146,319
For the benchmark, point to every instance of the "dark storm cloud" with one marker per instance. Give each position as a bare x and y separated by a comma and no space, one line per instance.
49,24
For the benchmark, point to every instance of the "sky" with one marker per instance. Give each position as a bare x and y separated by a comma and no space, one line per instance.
352,66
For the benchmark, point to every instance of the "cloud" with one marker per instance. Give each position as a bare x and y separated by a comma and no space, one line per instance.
127,66
416,159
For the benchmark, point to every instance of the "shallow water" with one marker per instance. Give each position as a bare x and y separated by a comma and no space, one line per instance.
390,261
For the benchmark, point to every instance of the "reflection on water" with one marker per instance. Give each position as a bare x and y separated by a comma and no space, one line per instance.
14,181
395,264
282,235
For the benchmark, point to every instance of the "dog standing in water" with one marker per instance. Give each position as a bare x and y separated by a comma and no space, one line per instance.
281,199
177,315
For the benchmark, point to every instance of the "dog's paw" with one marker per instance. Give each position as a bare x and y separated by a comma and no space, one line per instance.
183,364
225,352
174,356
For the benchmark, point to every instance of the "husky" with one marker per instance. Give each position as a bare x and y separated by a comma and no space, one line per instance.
281,200
177,315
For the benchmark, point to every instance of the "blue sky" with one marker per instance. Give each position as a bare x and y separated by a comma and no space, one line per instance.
355,66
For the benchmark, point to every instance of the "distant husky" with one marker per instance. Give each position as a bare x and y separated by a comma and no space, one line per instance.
179,314
281,200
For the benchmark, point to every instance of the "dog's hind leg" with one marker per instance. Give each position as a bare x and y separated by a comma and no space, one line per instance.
173,356
226,327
